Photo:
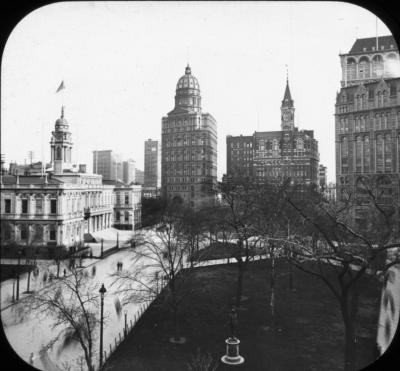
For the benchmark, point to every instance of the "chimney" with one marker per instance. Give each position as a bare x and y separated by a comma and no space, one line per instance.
82,168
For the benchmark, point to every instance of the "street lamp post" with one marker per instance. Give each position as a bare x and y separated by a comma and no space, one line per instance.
102,291
117,240
13,294
102,248
126,323
19,262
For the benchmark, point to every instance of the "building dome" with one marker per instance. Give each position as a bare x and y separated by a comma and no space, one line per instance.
61,122
188,81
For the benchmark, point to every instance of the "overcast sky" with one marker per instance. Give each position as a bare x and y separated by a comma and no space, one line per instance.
120,62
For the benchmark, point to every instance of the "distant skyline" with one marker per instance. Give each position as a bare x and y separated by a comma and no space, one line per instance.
120,62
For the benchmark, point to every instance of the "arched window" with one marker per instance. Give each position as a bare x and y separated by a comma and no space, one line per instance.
377,66
351,69
362,124
392,65
363,68
363,101
357,124
366,153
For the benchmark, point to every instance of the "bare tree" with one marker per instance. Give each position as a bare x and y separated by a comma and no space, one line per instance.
73,303
161,255
347,249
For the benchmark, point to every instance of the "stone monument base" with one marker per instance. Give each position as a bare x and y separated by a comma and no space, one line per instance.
232,356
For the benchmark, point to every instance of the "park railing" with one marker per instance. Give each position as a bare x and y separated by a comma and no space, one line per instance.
112,346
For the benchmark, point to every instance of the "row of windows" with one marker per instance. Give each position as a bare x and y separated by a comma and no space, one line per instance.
125,216
36,232
244,145
186,141
380,121
383,151
25,204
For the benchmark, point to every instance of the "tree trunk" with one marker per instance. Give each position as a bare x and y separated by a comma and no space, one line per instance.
177,333
29,281
290,277
272,289
239,287
349,311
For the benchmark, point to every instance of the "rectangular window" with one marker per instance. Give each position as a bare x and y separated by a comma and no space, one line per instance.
7,208
52,236
25,206
53,206
126,198
38,206
24,232
126,217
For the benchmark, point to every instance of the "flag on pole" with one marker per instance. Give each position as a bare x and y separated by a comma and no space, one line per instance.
61,87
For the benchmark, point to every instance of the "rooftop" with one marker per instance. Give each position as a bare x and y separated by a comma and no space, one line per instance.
369,44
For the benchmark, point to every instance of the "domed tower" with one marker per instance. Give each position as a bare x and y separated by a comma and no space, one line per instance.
287,110
61,145
187,95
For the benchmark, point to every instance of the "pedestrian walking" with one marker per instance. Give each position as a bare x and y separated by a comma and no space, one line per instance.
65,272
121,266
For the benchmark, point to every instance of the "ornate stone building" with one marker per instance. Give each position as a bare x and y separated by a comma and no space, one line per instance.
189,147
59,207
127,205
367,119
274,156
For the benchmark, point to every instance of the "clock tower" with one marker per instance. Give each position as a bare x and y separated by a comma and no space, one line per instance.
287,110
61,145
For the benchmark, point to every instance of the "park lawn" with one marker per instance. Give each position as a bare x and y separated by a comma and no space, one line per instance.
309,333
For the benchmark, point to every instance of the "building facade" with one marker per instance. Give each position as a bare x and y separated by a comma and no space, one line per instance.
189,147
152,159
274,156
127,205
139,176
62,205
322,177
367,119
128,171
108,164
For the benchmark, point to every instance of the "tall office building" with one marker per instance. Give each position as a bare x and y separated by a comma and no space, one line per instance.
189,147
128,171
152,159
108,164
274,156
322,177
367,120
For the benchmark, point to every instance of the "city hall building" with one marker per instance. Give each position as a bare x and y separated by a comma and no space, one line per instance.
59,206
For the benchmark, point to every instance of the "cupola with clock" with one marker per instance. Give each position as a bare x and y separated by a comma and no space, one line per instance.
61,145
287,110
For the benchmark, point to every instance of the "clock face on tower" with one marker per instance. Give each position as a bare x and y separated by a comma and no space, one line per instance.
286,115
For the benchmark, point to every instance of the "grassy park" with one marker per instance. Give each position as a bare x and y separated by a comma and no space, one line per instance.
308,332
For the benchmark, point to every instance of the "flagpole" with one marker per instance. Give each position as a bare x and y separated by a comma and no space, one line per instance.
376,30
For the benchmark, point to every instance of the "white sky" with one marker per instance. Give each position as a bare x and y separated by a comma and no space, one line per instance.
120,62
